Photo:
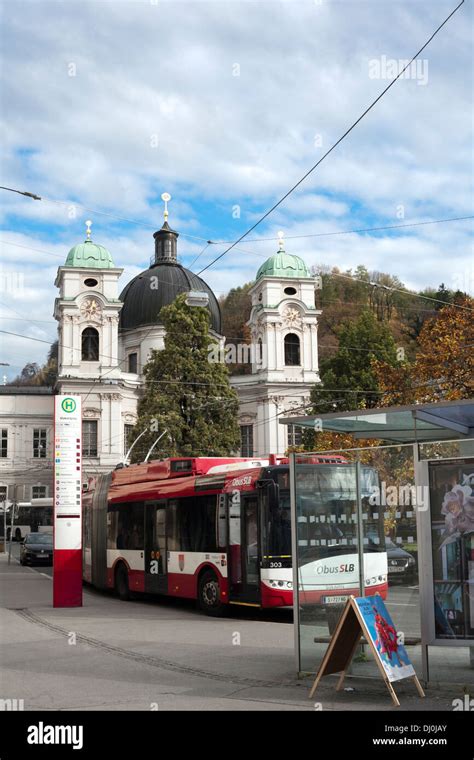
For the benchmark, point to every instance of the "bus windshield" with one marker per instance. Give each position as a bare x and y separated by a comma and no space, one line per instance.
279,529
326,505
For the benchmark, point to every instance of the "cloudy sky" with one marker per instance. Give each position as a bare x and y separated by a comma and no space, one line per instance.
225,105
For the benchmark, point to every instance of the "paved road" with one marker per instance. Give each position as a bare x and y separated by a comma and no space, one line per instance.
146,655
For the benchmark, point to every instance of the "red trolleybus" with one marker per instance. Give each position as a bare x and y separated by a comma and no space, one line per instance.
218,530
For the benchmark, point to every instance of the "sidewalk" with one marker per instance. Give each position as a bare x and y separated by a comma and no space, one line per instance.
151,654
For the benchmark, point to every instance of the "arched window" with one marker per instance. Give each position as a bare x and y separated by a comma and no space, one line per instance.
292,350
90,345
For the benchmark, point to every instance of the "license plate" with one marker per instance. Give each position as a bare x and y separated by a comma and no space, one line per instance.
396,569
335,599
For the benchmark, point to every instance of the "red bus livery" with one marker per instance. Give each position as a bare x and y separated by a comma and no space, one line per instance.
218,530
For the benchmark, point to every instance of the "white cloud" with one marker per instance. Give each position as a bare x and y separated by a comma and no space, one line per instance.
164,72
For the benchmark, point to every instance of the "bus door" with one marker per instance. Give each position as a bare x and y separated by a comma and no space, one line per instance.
250,554
156,579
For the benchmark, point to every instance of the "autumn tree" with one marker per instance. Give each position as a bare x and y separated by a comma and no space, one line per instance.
33,374
235,309
443,368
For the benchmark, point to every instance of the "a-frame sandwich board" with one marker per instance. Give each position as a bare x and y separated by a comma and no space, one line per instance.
354,624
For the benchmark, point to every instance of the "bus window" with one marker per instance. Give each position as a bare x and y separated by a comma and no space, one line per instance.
172,526
279,528
250,555
112,521
86,526
126,530
197,524
222,522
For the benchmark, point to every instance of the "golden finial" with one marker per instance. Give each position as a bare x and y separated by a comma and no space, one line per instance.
88,229
281,242
166,197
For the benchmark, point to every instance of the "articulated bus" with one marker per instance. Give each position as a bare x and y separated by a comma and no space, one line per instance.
218,530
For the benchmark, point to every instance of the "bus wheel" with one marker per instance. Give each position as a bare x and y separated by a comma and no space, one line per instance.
18,534
209,594
121,583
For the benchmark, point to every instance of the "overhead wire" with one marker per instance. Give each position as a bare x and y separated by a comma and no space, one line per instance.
334,145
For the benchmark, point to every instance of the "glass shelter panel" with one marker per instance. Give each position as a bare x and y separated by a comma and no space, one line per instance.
355,535
327,550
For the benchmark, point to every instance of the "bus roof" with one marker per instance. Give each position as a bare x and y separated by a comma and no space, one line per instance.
176,467
174,477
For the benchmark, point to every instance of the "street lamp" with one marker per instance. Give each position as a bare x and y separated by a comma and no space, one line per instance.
4,364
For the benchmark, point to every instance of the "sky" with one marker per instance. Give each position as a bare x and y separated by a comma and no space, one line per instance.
225,105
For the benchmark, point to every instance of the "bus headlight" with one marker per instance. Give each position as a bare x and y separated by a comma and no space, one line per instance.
280,583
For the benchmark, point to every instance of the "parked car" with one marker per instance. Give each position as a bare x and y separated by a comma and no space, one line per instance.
401,564
37,548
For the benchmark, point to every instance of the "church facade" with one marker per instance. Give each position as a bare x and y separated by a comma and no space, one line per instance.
105,338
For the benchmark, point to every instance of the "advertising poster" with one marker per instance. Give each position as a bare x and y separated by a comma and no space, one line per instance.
385,639
452,535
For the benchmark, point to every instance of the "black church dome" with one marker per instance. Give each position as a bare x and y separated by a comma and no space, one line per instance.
145,295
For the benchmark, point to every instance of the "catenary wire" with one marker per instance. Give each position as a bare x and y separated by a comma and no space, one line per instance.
327,153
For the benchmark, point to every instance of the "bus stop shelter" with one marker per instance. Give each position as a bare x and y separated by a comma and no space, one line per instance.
398,518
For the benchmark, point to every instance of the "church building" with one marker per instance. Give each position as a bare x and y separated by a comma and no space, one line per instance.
105,338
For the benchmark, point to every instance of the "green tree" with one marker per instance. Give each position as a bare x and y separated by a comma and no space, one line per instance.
351,369
49,371
187,392
235,308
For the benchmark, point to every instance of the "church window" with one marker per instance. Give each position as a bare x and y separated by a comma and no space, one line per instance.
39,492
295,435
90,345
4,443
290,291
39,443
128,437
133,363
246,440
292,350
89,438
90,282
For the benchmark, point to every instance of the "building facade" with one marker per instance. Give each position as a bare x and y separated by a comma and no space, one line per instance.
284,329
26,443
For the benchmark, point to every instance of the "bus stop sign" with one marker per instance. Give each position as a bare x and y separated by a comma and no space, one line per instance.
67,561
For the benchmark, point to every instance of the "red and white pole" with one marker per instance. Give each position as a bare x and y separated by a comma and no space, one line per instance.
67,561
